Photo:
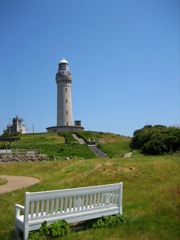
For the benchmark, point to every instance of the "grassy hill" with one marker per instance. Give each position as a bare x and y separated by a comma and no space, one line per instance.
62,145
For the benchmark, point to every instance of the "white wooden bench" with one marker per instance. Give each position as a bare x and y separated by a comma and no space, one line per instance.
72,205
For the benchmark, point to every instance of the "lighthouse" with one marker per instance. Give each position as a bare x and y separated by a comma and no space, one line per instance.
64,101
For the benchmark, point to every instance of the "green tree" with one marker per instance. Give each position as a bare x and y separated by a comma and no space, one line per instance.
156,140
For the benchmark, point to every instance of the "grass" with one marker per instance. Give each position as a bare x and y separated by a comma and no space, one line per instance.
2,181
151,193
115,149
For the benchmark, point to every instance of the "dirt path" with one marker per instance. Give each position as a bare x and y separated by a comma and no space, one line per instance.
16,182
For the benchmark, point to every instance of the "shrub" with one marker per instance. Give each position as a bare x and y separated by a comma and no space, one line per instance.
4,145
156,140
110,221
56,229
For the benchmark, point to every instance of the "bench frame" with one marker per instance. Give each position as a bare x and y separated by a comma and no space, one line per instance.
72,205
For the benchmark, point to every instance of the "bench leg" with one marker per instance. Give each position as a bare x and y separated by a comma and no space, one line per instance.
17,232
26,232
25,235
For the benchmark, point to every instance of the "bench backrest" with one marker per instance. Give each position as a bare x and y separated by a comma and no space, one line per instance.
39,204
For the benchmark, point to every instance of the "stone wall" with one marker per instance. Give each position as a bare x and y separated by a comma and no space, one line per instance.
22,158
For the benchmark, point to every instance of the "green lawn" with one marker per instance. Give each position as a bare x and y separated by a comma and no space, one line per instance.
151,193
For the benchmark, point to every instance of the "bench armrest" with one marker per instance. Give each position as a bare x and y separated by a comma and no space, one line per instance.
17,208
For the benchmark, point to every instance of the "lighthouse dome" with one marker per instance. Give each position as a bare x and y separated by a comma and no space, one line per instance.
63,61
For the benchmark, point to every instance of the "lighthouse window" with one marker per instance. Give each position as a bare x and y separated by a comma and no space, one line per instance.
66,90
66,100
62,66
66,112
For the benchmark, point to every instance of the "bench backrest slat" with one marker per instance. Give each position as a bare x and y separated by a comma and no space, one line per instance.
94,200
47,207
61,205
57,205
112,197
98,200
37,208
66,204
42,207
86,205
52,206
32,209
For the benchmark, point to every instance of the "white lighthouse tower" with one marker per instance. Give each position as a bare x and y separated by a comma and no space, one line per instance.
64,101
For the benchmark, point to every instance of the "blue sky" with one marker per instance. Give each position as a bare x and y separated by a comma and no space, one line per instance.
124,56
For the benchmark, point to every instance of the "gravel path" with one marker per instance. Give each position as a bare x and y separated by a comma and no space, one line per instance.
80,140
16,182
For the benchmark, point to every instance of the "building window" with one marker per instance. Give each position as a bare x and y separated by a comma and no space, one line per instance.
66,100
66,89
66,112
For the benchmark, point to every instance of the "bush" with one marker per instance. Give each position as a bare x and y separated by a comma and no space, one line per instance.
13,134
56,229
4,145
156,140
110,221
